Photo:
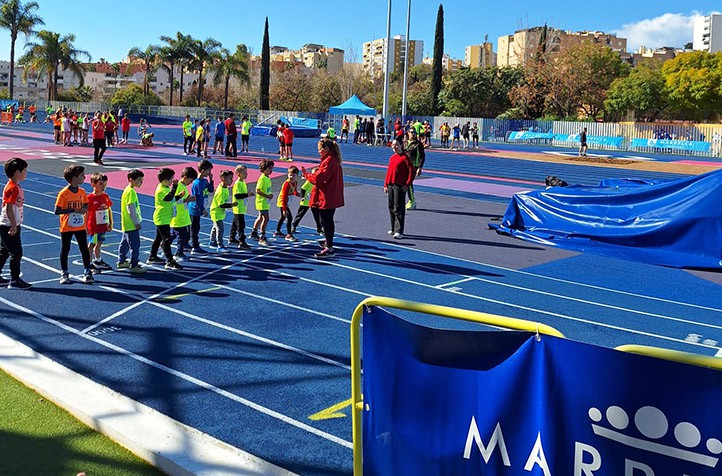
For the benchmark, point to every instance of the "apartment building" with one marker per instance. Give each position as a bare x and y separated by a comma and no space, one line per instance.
707,34
311,56
374,55
518,48
448,63
479,56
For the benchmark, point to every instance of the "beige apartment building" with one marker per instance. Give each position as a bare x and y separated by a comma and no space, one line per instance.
448,63
518,48
479,56
374,55
311,56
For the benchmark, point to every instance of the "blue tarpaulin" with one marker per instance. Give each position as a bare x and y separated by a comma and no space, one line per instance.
469,403
673,223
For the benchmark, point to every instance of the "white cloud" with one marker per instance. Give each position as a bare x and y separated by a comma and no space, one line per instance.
670,29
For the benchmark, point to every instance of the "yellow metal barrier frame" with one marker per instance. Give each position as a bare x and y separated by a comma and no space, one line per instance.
462,314
480,318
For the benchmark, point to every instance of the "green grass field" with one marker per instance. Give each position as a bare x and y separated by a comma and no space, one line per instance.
39,438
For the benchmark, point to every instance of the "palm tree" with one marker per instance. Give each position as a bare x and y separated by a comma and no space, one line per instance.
230,65
204,52
150,57
168,59
18,18
51,53
179,49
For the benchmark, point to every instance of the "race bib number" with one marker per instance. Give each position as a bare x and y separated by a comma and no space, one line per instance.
102,217
76,220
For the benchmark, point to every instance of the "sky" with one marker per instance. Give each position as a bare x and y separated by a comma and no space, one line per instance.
110,30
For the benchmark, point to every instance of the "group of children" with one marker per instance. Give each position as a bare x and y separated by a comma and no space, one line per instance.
177,215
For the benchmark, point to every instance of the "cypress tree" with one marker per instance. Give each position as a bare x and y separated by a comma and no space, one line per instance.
265,70
436,68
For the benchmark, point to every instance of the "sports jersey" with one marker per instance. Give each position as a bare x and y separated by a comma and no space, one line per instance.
99,213
246,128
199,134
199,189
220,129
240,188
129,198
218,213
307,186
182,216
288,188
67,199
163,212
13,196
263,185
188,128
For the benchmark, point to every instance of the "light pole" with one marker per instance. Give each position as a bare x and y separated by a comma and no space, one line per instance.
386,65
406,62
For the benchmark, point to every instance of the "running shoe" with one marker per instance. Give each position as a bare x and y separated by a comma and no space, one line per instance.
172,264
102,264
88,277
254,235
233,241
223,249
263,241
398,236
137,269
291,238
95,269
154,259
65,278
19,284
324,253
180,257
243,246
411,205
199,251
123,264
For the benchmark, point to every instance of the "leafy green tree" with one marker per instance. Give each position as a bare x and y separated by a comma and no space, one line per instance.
438,58
150,57
644,92
133,95
203,53
18,18
229,66
265,70
693,80
291,91
79,94
326,91
49,54
484,92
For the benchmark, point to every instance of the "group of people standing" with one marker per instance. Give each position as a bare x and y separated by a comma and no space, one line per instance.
197,136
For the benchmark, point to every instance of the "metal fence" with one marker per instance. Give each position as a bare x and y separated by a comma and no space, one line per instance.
490,130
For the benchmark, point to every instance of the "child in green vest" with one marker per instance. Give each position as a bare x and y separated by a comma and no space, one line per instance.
181,223
240,193
130,223
263,196
221,202
162,217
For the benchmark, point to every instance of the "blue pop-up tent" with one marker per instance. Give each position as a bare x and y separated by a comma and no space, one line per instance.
352,107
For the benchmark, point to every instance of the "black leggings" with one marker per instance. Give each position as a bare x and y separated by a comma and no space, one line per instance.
99,148
187,144
195,230
238,226
66,238
329,228
163,239
11,246
288,218
302,212
397,208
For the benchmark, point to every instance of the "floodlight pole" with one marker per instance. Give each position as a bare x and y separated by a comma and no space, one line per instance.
406,62
387,65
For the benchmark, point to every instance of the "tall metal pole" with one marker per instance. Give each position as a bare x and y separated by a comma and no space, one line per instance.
387,66
406,62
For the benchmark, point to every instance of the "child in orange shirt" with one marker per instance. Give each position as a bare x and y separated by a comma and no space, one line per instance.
72,207
289,187
100,220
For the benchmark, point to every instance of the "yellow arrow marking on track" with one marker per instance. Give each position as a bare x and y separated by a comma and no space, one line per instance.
332,412
178,296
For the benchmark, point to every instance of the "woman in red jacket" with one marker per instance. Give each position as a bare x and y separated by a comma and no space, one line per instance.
398,178
327,195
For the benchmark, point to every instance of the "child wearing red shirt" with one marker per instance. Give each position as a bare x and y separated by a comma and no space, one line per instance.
125,128
288,140
72,207
100,220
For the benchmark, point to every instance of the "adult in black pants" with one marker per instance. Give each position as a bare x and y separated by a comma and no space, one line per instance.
327,195
99,146
231,136
398,178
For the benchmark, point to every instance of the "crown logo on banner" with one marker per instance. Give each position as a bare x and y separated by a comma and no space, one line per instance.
653,424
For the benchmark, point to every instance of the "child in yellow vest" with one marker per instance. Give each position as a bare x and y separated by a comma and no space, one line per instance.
221,202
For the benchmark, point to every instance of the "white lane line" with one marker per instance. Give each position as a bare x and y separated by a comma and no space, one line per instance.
188,378
440,286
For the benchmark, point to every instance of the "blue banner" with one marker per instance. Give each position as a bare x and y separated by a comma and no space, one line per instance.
450,402
686,145
528,135
607,141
